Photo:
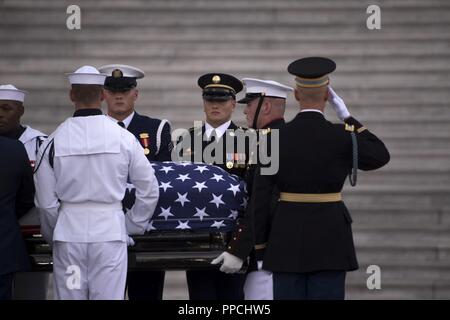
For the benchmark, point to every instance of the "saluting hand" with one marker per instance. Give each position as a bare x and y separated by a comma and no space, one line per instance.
230,263
338,105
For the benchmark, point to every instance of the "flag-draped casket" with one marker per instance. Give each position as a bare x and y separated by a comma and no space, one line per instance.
196,196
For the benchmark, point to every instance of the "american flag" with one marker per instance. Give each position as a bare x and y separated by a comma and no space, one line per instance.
197,196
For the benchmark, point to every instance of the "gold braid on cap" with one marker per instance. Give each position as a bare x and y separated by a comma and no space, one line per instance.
220,86
312,82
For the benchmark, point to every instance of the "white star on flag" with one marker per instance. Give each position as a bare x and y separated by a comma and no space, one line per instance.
201,169
217,177
183,177
165,213
182,198
185,163
150,226
234,189
218,224
201,213
233,214
165,185
183,225
200,186
166,169
217,200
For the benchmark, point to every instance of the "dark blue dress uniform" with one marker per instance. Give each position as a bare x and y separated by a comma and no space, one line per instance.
249,178
155,137
214,284
16,199
309,238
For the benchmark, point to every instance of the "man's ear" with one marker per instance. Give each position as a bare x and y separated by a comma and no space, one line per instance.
21,109
102,95
327,94
266,107
136,94
233,103
71,96
297,94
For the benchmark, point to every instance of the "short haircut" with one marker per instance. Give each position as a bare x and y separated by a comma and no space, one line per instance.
312,94
86,93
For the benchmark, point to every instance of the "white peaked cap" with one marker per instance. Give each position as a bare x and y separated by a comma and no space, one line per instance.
87,75
127,71
268,87
9,92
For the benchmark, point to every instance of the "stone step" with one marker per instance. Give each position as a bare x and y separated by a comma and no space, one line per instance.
274,67
140,16
175,286
249,34
108,49
399,218
380,254
408,238
402,198
233,5
399,289
432,271
411,177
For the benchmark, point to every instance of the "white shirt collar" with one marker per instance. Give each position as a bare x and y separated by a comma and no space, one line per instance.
30,134
314,110
125,121
220,130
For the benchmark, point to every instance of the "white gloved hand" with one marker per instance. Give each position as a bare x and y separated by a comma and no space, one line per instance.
338,105
230,263
259,264
130,241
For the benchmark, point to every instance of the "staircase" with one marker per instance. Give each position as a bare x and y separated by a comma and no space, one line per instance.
396,81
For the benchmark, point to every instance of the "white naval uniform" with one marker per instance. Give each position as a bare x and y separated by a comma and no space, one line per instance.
258,285
32,140
80,204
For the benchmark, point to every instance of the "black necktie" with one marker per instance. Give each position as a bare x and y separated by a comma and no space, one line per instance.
120,123
213,136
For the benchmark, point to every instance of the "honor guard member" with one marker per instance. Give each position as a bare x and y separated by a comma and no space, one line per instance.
265,107
81,177
219,102
11,111
154,135
309,246
16,198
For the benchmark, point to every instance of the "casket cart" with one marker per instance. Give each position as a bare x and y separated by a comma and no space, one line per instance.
197,208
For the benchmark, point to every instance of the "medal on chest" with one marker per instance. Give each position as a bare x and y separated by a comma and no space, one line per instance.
145,142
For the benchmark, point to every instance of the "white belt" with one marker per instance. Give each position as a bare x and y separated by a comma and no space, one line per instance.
91,205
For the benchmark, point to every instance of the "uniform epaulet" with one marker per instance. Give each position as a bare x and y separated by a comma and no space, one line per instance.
350,128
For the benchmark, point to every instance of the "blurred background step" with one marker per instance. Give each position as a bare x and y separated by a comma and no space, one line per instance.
395,80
